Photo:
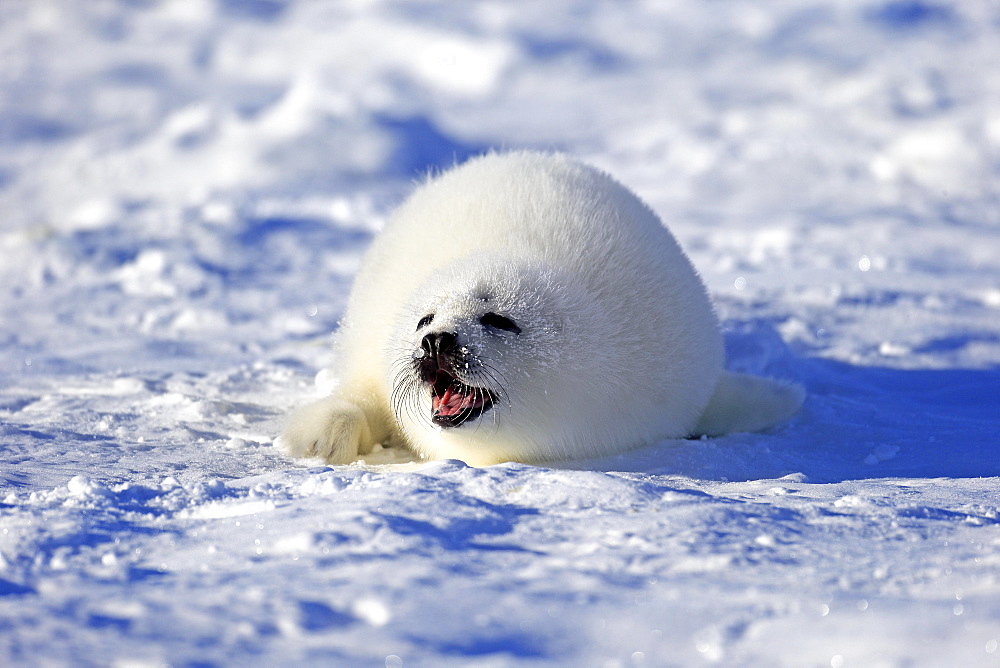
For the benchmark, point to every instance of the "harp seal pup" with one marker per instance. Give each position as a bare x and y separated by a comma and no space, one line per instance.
526,307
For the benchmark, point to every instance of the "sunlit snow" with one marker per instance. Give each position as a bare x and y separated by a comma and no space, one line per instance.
186,189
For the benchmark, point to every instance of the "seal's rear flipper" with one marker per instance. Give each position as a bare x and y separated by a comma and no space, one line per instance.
748,403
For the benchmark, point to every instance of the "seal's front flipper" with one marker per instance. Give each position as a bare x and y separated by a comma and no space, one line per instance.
748,403
331,429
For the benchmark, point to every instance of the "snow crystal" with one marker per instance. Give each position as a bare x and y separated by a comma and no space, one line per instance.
372,611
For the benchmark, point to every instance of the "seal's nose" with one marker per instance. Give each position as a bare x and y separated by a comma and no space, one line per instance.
439,343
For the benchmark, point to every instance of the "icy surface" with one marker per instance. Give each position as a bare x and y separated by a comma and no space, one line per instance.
185,191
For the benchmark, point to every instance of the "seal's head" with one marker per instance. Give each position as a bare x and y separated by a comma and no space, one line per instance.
480,357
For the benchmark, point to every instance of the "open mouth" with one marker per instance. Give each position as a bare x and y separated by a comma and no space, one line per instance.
453,402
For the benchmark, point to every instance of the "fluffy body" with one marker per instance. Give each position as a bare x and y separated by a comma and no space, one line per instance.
617,345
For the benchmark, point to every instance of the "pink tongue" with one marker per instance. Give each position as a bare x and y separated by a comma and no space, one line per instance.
452,403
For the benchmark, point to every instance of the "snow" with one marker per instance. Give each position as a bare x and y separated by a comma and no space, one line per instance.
186,188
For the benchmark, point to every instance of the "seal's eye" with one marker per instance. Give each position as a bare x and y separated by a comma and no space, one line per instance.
497,321
426,320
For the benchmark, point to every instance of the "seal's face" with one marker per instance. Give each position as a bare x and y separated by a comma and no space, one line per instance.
470,347
450,371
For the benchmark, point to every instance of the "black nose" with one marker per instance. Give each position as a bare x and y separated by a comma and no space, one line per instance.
439,343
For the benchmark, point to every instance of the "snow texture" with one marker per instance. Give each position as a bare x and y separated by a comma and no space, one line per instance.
185,191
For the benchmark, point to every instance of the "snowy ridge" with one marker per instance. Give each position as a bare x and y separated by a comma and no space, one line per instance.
185,192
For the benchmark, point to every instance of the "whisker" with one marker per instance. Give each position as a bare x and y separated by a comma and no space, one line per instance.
398,392
496,387
479,397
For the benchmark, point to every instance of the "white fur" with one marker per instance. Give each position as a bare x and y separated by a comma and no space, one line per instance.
619,346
